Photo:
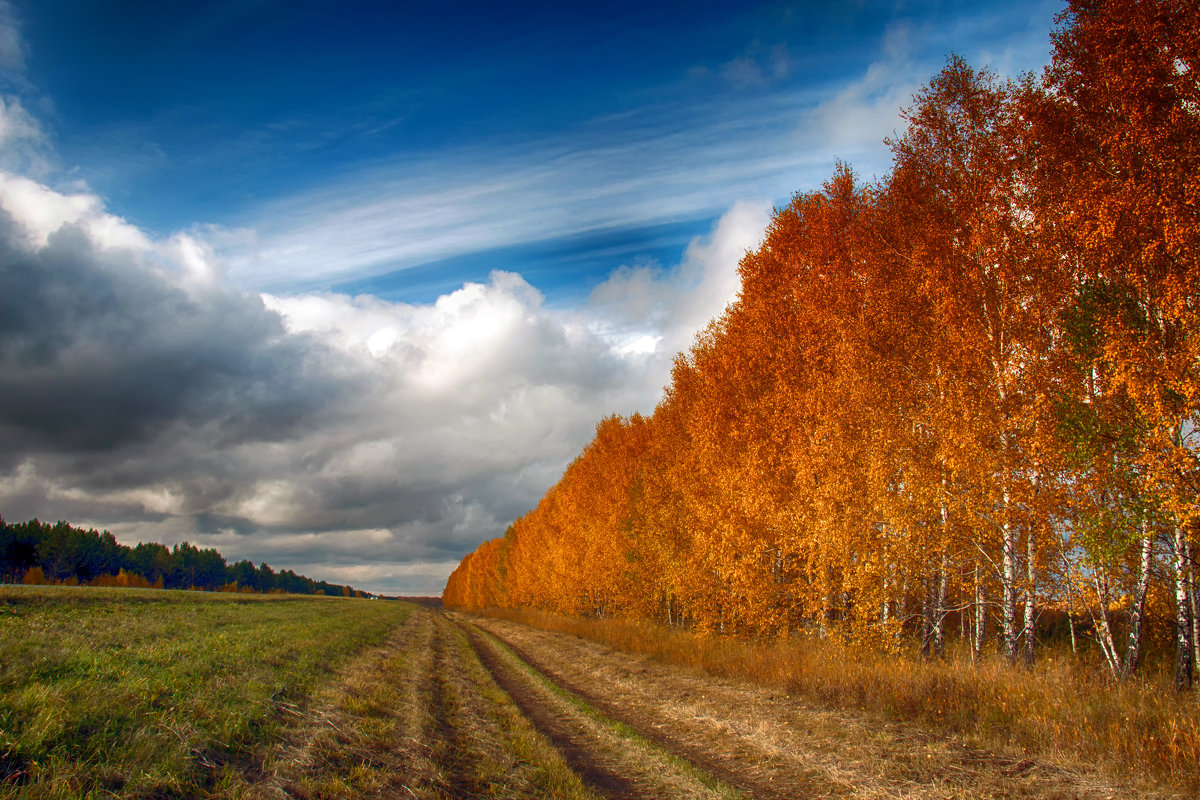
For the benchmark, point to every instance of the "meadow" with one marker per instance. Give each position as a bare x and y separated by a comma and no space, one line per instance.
144,693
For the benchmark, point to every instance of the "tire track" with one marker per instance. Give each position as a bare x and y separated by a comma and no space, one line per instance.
441,712
770,779
562,735
416,718
615,765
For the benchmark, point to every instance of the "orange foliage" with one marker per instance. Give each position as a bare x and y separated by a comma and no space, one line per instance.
35,577
901,422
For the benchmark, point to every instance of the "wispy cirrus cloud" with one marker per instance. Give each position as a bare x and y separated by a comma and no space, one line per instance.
12,45
771,131
399,216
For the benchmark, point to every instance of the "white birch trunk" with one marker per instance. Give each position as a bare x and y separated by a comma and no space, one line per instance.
980,616
1133,650
1008,577
1183,607
939,622
1008,602
1104,634
1030,631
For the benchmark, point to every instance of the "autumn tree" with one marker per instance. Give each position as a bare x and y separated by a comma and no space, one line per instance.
1119,122
957,178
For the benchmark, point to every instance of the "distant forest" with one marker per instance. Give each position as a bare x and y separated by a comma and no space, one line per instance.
39,552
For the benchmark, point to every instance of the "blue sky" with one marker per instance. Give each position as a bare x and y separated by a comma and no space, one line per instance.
402,257
611,135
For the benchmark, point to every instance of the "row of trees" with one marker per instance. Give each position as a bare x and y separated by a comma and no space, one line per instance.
38,552
968,392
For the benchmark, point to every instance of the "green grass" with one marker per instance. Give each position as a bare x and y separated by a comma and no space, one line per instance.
142,694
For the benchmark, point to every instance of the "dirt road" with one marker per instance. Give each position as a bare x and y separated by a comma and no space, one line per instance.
759,742
454,706
419,717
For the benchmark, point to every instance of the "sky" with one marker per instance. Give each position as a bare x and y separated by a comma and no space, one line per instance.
343,287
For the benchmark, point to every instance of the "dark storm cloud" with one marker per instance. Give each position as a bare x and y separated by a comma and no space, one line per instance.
99,352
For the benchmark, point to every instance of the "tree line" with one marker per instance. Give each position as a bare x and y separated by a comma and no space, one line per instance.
944,403
43,553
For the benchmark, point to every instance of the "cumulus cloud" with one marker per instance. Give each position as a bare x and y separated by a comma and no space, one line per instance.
148,387
648,309
346,437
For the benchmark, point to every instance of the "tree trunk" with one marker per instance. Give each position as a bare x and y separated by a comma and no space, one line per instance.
1008,577
1030,599
980,615
1183,608
884,606
943,576
826,603
939,622
1008,602
1070,604
1104,634
927,604
1071,625
1195,606
1133,650
1031,578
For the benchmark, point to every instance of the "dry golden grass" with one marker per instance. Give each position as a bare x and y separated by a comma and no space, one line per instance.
1064,709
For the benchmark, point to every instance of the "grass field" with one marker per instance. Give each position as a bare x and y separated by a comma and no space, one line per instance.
142,694
133,693
145,693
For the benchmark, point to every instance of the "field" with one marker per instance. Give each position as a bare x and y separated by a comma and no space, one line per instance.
149,694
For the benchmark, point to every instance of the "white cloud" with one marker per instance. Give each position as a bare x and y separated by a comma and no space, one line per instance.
852,119
865,111
145,388
41,211
395,216
774,124
656,312
756,69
